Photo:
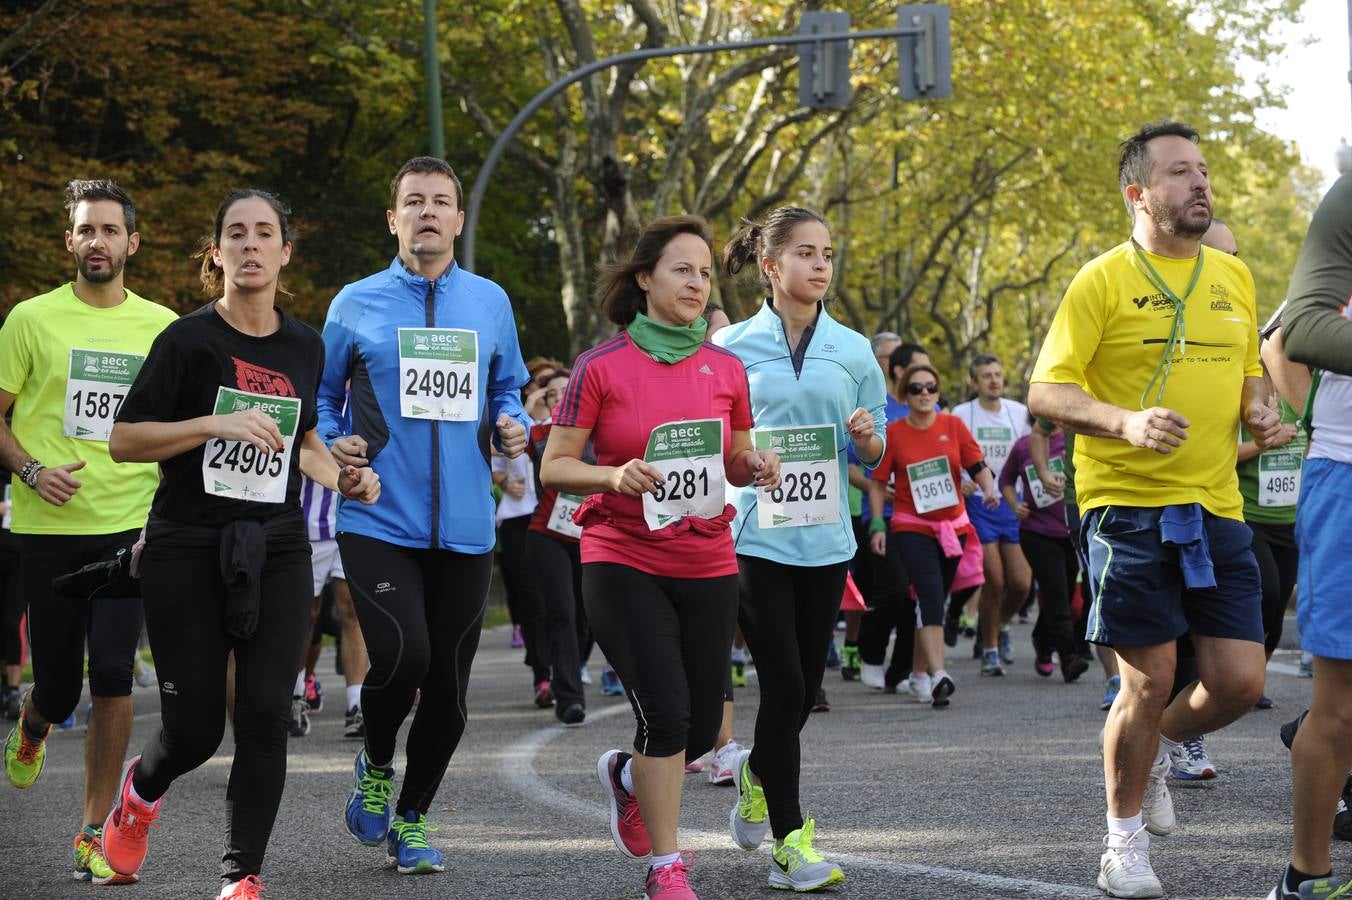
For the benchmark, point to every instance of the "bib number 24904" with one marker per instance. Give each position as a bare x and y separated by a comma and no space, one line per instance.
437,372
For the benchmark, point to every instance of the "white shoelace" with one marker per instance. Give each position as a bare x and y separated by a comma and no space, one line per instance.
1135,858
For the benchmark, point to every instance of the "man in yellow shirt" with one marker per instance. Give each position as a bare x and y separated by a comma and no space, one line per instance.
1152,359
67,359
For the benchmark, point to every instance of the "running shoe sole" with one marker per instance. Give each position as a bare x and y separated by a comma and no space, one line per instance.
942,690
782,882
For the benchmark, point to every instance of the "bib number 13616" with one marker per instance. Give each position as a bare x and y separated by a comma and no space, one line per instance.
690,457
809,487
239,470
437,372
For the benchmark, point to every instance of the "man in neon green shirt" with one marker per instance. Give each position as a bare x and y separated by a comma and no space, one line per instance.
67,359
1153,359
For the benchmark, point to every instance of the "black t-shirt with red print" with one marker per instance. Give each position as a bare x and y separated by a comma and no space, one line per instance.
188,364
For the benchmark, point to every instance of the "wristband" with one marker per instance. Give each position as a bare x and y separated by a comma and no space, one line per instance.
28,473
876,525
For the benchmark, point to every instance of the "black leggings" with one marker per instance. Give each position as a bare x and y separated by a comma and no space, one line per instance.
1054,566
1278,561
188,638
787,614
668,640
60,626
891,607
931,572
11,600
556,566
524,600
421,612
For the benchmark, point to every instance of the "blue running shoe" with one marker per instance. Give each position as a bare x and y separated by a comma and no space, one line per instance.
610,683
368,806
1113,685
408,849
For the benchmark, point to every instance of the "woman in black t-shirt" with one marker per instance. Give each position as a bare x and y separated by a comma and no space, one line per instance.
225,402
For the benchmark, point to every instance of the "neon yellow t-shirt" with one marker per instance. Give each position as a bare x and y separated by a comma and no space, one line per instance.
1107,337
69,366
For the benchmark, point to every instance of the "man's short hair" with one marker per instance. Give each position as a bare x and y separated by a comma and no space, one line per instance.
901,358
423,165
881,338
981,359
1134,163
86,190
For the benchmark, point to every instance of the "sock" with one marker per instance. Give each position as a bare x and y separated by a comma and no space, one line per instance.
660,861
627,776
131,789
34,736
990,649
353,695
941,673
300,685
1127,826
738,655
850,643
1166,746
921,679
1295,876
372,764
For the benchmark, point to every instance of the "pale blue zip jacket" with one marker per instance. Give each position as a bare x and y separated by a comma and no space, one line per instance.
833,375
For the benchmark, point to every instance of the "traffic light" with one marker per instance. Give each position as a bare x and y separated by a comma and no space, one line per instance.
925,60
824,66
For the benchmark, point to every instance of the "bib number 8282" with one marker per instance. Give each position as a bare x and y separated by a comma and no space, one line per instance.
800,487
683,484
436,383
245,458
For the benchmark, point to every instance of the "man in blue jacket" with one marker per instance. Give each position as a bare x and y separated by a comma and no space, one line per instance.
431,354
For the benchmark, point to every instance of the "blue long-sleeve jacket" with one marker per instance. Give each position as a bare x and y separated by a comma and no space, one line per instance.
834,375
434,475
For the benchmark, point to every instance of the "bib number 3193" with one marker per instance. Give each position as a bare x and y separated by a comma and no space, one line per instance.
438,368
690,457
809,486
239,470
97,384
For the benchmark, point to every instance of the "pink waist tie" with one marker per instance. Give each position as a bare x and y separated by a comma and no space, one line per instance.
946,532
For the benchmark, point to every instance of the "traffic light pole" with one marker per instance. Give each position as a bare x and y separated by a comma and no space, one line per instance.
476,198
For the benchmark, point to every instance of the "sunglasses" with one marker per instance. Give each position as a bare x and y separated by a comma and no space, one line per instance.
915,390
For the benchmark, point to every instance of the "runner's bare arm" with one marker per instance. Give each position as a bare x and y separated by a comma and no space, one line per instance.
1263,421
1039,448
318,464
562,468
857,477
1291,378
12,453
1155,428
158,441
750,465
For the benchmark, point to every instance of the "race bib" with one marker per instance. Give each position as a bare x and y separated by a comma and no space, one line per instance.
932,485
561,519
1279,477
995,441
438,370
809,486
690,457
95,388
239,470
1042,499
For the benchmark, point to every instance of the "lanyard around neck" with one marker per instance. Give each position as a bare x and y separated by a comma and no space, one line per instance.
1177,330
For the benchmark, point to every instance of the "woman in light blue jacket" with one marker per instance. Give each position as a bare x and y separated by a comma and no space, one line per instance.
815,387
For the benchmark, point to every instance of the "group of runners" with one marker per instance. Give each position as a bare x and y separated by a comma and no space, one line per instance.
691,490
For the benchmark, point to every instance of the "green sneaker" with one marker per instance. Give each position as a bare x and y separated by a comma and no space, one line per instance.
750,820
739,674
23,756
798,867
850,662
90,864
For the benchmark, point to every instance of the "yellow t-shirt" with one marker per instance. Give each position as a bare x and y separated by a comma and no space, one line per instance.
1107,337
69,366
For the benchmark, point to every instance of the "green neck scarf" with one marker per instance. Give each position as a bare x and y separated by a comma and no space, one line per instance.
667,343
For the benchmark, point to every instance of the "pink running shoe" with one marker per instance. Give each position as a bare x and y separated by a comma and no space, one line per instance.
249,888
626,821
694,766
125,830
672,882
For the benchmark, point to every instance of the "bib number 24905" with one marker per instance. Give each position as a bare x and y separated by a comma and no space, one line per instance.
239,470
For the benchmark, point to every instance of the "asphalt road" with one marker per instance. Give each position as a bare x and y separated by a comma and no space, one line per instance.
999,796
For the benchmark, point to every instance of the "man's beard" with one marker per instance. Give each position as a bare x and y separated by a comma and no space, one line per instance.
113,270
1174,221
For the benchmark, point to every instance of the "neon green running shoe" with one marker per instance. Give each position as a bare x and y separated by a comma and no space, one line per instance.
23,755
90,863
799,867
750,819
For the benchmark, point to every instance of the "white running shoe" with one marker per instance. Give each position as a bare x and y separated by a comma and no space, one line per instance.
1189,761
1157,807
749,821
871,676
922,691
1124,868
720,767
585,676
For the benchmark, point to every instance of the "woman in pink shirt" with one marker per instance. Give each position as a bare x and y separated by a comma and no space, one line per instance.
669,418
